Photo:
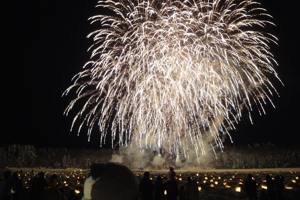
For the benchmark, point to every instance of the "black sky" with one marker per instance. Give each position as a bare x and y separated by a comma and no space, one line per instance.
47,47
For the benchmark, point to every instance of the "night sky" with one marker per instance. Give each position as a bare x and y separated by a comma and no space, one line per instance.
47,47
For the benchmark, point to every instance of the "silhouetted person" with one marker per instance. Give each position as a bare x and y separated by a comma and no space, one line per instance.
54,176
182,193
116,182
171,174
250,188
271,191
52,192
32,191
159,189
172,189
42,181
146,187
192,189
16,188
279,185
90,181
41,184
5,186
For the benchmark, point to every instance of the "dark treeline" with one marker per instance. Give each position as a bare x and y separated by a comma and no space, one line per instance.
28,156
233,157
258,156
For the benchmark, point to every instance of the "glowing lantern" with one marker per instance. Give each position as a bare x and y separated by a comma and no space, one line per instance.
238,189
77,191
199,188
264,187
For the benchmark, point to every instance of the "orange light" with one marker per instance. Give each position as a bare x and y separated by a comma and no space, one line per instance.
77,191
264,187
238,189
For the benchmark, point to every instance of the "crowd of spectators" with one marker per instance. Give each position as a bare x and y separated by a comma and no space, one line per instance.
15,187
114,179
52,186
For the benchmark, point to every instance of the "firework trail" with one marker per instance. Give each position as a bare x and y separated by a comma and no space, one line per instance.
168,75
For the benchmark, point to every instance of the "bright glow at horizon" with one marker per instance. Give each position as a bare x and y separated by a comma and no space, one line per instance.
174,75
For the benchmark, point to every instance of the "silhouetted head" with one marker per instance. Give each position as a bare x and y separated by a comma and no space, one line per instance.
146,175
14,176
41,175
249,176
116,182
268,178
171,169
279,178
54,176
96,170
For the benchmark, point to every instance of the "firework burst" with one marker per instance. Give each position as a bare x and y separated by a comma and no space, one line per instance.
168,75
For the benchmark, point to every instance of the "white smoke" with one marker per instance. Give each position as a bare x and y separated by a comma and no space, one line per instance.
198,152
137,157
158,160
115,158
